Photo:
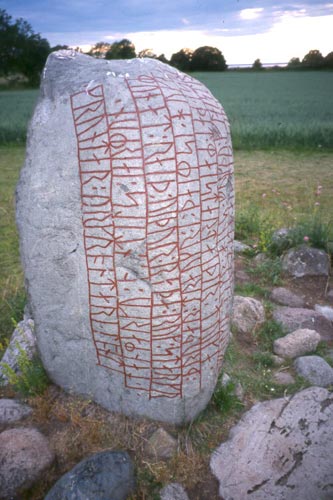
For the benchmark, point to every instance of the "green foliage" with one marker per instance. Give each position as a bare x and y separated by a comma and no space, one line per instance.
208,59
225,399
263,359
121,50
31,378
21,50
267,333
251,290
182,60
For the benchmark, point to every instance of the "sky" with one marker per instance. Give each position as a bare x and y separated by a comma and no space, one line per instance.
243,30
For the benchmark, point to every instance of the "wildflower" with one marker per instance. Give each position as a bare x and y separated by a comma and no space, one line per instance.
264,195
306,238
317,204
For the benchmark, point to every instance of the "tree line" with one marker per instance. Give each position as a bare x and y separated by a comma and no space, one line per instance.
24,52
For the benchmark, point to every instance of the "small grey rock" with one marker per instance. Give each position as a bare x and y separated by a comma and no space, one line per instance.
285,297
24,455
306,261
330,294
240,247
12,411
108,475
161,445
315,370
277,360
326,311
23,338
293,318
297,343
280,235
248,314
260,258
283,378
173,491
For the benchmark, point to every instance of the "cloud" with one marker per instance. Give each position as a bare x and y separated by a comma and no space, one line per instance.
249,14
185,21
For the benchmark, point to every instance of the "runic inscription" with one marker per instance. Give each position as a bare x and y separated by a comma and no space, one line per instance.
156,192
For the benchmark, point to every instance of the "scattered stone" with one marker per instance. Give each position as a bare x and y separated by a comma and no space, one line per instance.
306,261
293,318
315,370
280,449
283,378
161,445
297,343
24,456
23,339
173,491
326,311
248,314
226,379
260,258
240,247
277,361
285,297
108,475
330,294
12,411
280,236
113,286
241,276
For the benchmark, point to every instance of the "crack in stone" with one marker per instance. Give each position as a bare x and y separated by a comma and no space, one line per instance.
257,487
298,458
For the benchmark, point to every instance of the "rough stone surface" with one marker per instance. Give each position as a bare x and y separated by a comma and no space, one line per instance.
285,297
297,343
108,475
294,318
161,445
24,339
281,449
240,247
24,455
330,294
277,360
248,314
125,215
12,411
306,261
173,491
283,378
326,311
314,369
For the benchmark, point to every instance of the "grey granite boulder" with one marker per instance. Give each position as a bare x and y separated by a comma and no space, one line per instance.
306,261
173,491
285,297
125,215
23,340
241,247
161,445
12,411
248,314
24,456
293,318
108,475
315,370
281,449
297,343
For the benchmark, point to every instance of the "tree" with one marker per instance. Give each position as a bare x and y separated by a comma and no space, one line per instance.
121,50
294,63
147,53
257,65
99,49
182,59
313,60
328,62
163,59
21,50
208,59
59,47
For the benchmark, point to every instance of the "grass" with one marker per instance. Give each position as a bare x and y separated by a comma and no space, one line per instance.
11,276
266,109
276,109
